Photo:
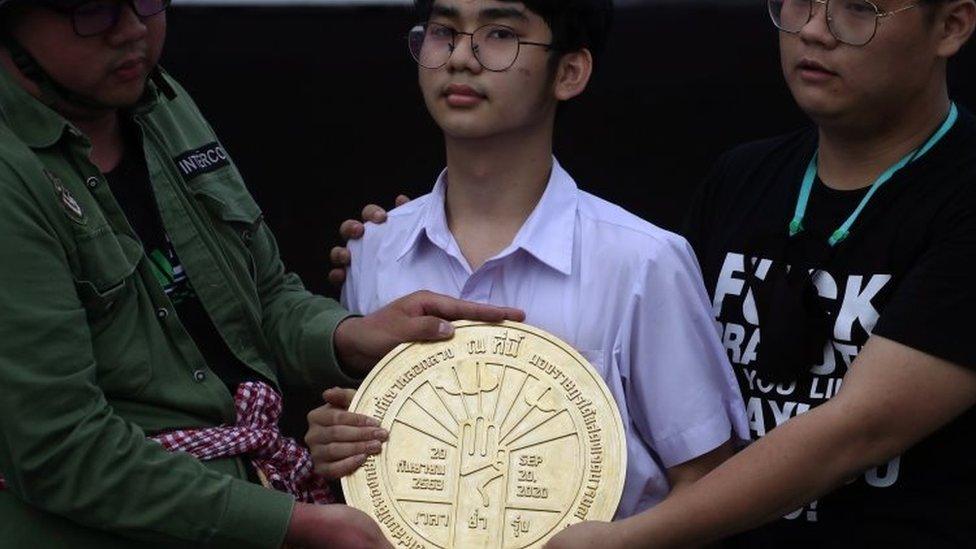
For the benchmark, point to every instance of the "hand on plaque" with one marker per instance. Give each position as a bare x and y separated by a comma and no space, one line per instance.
340,441
360,342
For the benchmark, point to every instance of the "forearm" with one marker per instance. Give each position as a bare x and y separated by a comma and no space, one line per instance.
682,476
793,465
297,324
301,329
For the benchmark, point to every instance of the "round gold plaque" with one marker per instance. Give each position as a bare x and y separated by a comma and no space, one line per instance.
499,438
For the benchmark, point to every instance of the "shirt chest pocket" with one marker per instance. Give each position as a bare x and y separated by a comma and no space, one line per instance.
237,219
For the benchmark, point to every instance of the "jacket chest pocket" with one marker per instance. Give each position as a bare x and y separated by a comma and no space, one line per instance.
237,219
106,281
105,263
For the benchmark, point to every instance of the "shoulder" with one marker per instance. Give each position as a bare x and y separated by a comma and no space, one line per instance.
959,155
617,238
942,185
182,100
178,117
28,197
620,227
755,155
401,225
21,173
744,174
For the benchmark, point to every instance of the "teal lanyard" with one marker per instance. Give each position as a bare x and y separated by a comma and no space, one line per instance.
841,234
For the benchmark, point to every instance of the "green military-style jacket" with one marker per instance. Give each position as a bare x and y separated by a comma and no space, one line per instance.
93,357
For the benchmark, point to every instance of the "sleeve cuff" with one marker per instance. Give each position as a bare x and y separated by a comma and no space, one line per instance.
698,440
319,351
255,517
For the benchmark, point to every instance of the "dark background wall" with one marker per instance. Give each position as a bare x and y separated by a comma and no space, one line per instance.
320,108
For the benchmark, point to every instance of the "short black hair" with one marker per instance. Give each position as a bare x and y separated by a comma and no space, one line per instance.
575,24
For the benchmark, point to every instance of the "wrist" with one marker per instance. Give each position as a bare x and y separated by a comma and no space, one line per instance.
346,346
642,530
299,525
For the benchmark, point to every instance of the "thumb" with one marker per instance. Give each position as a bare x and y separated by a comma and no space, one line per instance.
339,397
428,328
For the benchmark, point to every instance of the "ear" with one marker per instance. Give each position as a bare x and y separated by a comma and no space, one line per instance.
957,21
573,74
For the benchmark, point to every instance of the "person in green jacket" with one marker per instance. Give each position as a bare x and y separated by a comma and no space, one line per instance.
146,319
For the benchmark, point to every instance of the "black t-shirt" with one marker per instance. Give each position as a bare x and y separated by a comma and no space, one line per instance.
907,273
131,186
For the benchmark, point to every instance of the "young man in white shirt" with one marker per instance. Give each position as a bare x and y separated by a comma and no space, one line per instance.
506,223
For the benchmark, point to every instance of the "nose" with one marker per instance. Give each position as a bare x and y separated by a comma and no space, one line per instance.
817,29
130,27
463,56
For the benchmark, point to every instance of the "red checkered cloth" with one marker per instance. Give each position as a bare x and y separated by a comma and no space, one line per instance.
286,465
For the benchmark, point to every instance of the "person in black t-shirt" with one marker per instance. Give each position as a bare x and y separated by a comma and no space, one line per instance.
841,263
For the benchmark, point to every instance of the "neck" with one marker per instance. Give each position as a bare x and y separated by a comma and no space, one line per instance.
494,185
101,126
853,158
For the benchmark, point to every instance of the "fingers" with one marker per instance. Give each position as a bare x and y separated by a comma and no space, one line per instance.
428,328
351,230
329,416
401,200
341,468
337,277
320,436
374,213
338,451
340,257
341,398
454,309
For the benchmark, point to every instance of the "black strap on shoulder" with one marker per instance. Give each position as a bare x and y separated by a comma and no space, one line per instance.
51,92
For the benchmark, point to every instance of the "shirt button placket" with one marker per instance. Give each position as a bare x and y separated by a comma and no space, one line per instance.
199,376
162,313
92,182
478,287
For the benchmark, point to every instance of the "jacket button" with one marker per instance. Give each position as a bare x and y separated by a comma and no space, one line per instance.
200,376
92,182
162,313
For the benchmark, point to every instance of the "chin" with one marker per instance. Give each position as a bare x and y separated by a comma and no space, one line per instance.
819,105
464,125
467,132
123,99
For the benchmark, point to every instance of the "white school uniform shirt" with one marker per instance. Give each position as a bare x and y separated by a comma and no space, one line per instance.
626,294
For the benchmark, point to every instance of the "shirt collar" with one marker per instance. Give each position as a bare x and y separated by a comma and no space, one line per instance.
548,234
39,126
31,120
